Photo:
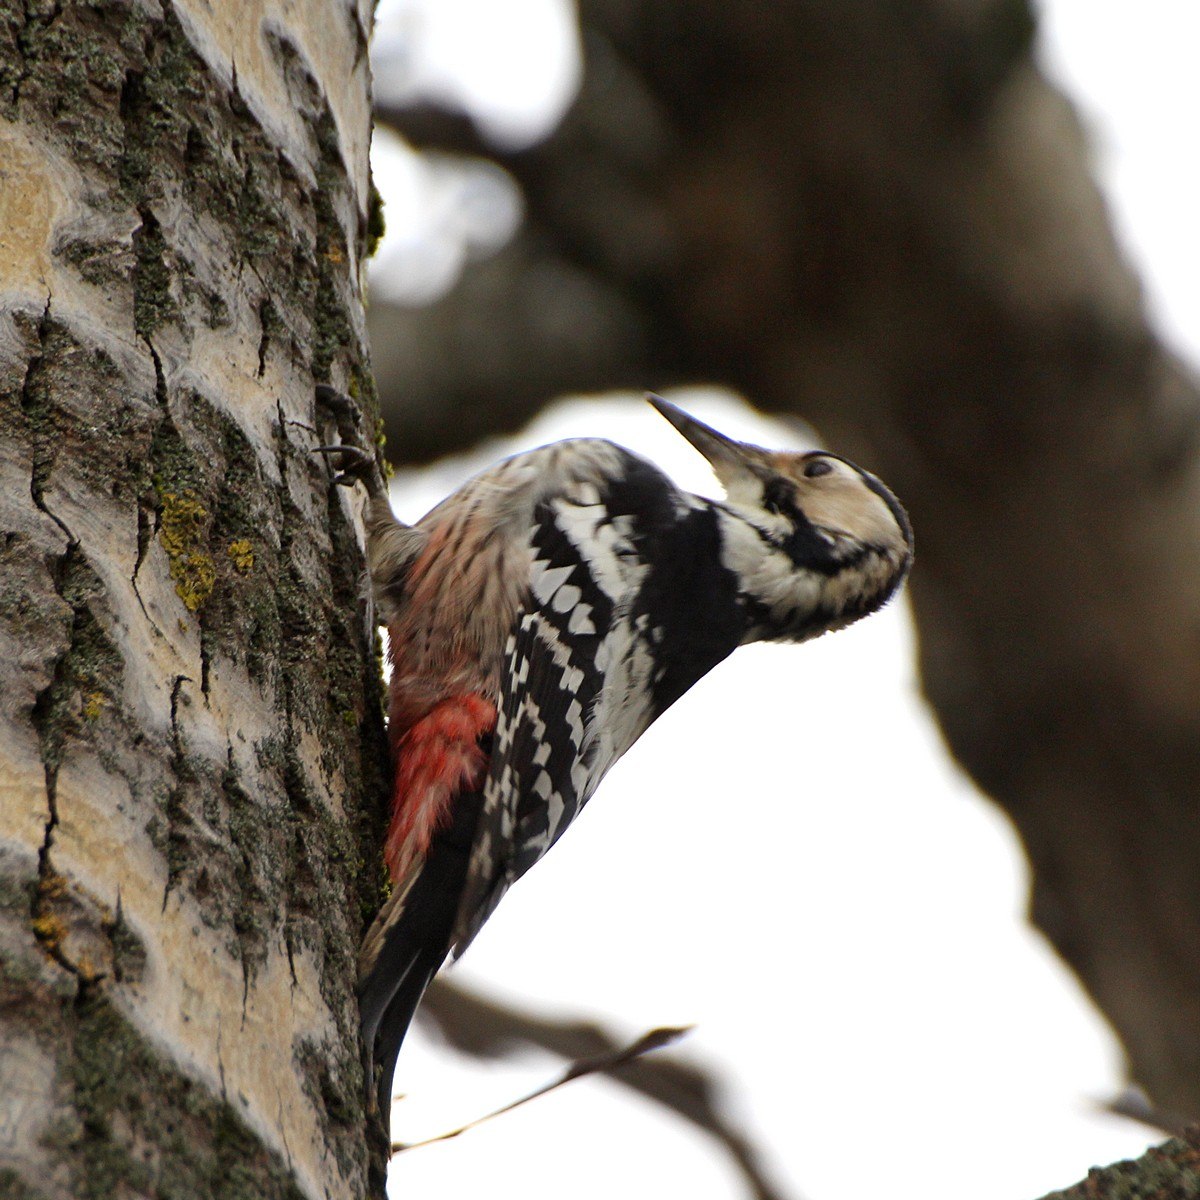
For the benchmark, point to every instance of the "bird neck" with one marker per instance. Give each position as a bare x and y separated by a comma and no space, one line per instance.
796,580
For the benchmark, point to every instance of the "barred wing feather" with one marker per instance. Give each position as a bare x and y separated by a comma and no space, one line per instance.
545,761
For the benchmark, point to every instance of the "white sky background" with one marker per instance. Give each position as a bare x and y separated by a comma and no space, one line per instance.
787,859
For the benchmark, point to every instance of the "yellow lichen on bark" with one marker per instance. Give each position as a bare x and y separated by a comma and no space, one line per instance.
183,522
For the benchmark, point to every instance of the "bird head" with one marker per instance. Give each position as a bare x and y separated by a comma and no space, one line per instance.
827,514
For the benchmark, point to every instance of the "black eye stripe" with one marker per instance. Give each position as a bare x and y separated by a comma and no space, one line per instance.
777,496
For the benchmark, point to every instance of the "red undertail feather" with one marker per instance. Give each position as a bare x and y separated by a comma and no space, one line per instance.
436,758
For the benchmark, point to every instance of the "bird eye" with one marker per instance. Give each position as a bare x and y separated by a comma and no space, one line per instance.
817,467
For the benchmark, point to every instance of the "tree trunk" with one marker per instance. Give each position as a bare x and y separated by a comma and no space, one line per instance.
190,724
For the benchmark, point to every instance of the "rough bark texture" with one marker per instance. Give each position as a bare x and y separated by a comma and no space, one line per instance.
880,216
1167,1172
189,713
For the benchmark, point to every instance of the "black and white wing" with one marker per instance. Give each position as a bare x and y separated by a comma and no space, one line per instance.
628,606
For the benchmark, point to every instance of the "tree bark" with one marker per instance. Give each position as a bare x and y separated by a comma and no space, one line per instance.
190,723
1167,1172
880,217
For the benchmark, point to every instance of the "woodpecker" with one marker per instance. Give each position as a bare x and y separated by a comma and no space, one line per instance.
541,618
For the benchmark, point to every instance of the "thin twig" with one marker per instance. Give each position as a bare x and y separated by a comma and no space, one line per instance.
486,1028
648,1042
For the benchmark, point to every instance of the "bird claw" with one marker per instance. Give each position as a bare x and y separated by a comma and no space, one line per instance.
353,464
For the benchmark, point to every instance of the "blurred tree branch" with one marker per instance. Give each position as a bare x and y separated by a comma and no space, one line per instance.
486,1029
881,216
609,1061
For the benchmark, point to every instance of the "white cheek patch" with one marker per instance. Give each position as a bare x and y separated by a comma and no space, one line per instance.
742,488
765,573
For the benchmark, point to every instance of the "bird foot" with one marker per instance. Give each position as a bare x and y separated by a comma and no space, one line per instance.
350,459
352,463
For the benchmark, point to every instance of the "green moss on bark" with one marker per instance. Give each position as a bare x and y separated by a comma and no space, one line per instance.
12,1187
147,1127
153,304
90,665
1167,1172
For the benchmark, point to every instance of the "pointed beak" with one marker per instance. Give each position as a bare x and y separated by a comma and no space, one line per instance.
723,453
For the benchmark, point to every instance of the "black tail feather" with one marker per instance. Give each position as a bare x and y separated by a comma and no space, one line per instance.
414,947
391,1032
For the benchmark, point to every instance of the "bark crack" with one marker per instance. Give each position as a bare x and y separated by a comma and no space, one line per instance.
299,803
48,926
205,659
266,319
147,529
145,534
221,1062
49,720
50,702
291,957
33,406
281,1125
174,808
